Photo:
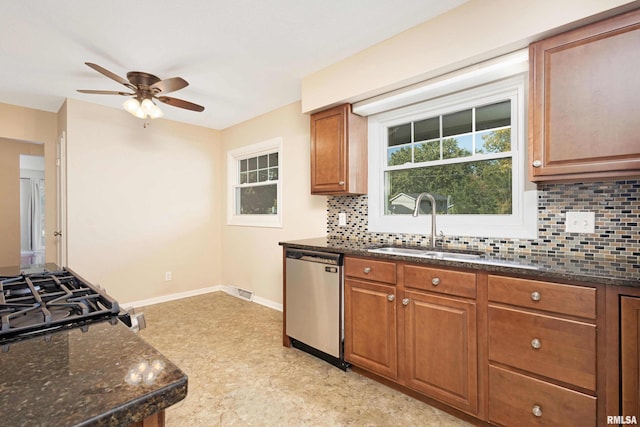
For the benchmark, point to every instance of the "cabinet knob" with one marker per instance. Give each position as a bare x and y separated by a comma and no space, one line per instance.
341,183
435,281
367,270
535,296
391,297
537,410
535,343
536,163
405,301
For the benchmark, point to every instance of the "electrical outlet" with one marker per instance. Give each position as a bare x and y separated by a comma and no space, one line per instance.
167,276
342,219
580,222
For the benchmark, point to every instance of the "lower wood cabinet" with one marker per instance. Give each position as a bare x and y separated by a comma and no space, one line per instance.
441,351
370,327
630,355
425,340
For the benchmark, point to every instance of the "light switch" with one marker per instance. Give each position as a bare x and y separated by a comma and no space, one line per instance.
580,222
342,219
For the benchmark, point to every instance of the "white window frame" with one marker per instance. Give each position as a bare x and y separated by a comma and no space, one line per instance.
233,183
521,223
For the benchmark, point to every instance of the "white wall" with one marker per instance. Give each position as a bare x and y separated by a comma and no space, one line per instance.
142,202
477,30
251,256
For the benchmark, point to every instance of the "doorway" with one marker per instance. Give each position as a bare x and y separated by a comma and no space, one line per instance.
32,210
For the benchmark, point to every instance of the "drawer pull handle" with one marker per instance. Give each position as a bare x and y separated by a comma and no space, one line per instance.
367,270
391,297
536,163
535,296
535,343
341,183
537,410
405,301
435,281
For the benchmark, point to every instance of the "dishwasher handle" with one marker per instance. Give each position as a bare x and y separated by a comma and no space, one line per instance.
314,256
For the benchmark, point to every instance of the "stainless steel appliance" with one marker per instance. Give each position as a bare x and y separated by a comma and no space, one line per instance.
40,303
314,302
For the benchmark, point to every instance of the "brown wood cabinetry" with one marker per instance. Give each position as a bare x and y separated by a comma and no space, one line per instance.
370,316
542,349
338,152
630,355
583,102
420,332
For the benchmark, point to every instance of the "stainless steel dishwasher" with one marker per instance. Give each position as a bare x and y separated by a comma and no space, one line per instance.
314,302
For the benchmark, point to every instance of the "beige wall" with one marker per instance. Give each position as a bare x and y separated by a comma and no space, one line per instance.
476,31
142,202
251,256
26,124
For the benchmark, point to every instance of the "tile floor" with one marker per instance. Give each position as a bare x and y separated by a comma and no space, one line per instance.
241,375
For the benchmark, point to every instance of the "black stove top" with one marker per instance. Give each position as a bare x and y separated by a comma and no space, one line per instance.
32,304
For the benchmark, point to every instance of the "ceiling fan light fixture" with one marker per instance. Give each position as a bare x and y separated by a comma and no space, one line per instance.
151,109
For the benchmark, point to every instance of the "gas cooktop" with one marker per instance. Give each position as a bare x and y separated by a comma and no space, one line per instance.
37,303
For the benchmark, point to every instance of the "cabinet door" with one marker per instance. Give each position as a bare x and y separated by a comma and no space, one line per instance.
584,102
370,327
329,151
630,354
441,348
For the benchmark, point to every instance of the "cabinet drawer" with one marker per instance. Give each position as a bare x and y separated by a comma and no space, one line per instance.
561,349
365,268
562,299
517,399
441,281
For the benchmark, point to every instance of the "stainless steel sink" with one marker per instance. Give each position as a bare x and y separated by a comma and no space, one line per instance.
475,258
424,253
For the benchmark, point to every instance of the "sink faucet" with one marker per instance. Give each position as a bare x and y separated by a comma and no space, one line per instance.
433,214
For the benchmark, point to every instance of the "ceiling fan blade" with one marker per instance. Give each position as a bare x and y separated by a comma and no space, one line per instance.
169,85
111,75
175,102
105,92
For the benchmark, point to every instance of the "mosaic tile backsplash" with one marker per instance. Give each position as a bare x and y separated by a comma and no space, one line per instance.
617,213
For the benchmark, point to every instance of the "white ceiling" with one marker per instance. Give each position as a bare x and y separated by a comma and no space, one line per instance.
242,58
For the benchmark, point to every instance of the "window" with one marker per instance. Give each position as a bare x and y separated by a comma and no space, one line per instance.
254,174
467,150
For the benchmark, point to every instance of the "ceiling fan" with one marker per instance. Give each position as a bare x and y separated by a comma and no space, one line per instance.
144,89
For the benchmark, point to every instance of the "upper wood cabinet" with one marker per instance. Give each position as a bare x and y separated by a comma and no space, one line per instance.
338,152
583,102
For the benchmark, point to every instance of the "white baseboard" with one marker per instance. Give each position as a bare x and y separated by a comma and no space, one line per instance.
231,290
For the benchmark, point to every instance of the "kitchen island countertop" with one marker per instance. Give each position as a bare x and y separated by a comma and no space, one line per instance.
621,271
86,376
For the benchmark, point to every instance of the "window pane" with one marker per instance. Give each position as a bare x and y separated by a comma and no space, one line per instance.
399,134
427,129
243,165
493,116
263,162
258,200
398,155
493,141
273,174
273,159
263,175
427,151
253,177
460,146
456,123
253,163
482,187
243,178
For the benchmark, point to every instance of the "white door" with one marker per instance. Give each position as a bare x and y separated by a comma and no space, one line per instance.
61,201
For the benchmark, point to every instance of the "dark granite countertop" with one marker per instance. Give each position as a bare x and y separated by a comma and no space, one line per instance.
575,269
76,378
